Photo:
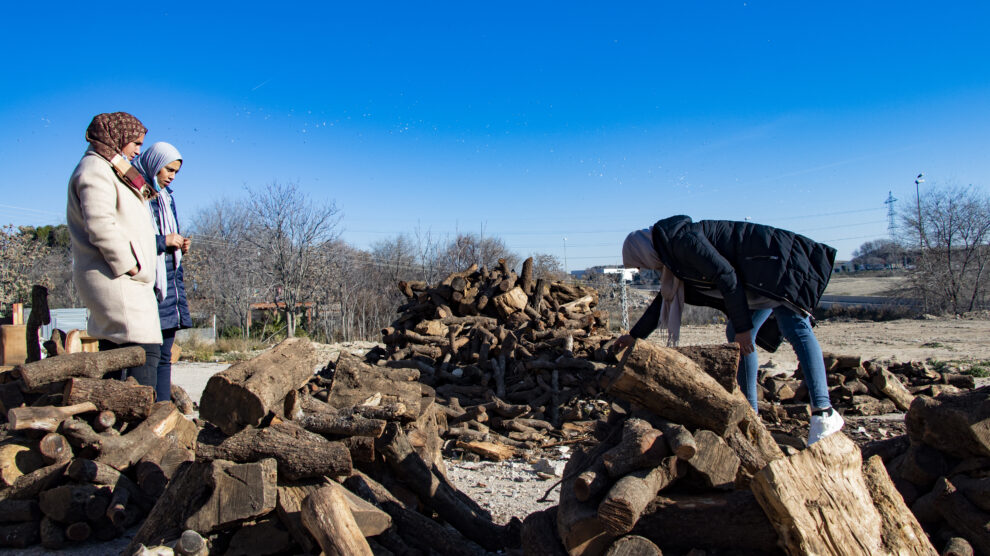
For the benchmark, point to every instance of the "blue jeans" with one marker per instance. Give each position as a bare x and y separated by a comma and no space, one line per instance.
145,374
797,330
163,388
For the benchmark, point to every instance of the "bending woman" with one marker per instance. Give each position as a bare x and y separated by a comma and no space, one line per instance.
158,166
749,272
113,241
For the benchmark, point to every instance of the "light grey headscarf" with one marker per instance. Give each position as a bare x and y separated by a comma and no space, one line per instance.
638,252
148,164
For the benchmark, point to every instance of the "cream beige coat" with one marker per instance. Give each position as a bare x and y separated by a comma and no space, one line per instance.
112,232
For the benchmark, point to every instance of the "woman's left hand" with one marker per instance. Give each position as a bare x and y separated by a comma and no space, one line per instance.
186,242
745,341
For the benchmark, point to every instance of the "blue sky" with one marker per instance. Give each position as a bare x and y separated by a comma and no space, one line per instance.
533,122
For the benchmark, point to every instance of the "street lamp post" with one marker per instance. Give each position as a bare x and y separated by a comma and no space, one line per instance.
565,255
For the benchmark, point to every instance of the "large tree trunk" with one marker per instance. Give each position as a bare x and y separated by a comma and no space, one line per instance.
328,517
819,502
246,392
92,365
957,424
355,382
674,387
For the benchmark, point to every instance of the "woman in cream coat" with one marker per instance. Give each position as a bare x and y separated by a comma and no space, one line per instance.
113,241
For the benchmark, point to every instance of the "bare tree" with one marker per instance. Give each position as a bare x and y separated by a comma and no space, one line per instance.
548,266
467,249
289,228
954,229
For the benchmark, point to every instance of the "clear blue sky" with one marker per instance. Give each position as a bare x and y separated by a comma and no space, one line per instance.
529,121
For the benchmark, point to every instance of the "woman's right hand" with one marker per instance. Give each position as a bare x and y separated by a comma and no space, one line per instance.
133,271
174,240
623,342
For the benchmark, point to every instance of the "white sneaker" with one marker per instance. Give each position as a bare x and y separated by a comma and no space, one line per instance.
828,422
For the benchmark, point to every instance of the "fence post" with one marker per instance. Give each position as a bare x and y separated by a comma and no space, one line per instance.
625,302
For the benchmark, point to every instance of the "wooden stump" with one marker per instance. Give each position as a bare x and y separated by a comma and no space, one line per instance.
246,392
633,545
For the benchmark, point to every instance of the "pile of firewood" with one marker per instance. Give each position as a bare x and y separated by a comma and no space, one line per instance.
690,467
858,387
82,457
342,461
942,467
513,358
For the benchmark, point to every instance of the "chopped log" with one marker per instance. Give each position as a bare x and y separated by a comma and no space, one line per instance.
966,382
579,527
54,448
370,520
714,464
355,382
29,485
17,458
328,517
46,418
976,490
675,388
20,535
633,545
12,511
127,401
121,452
182,400
819,502
104,421
329,421
512,301
893,389
184,496
52,534
720,361
437,493
592,482
247,391
300,454
539,537
887,448
488,450
964,517
901,532
92,365
239,491
120,511
191,543
729,523
641,446
957,424
957,546
922,465
67,503
678,438
868,405
413,527
620,509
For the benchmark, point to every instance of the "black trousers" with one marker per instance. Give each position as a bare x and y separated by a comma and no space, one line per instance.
146,374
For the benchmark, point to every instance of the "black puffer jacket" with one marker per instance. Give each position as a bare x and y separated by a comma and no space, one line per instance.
737,256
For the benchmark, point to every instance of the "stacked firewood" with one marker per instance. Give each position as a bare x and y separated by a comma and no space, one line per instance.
689,467
513,358
342,461
942,467
858,387
82,457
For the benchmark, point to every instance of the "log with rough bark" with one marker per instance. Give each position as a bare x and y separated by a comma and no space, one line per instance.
641,446
957,546
437,493
29,485
902,534
184,496
45,418
67,503
300,454
539,534
182,400
633,545
355,382
327,516
971,522
246,392
88,471
715,464
678,439
92,365
976,490
129,402
674,387
592,481
191,543
330,421
893,388
629,496
238,491
721,361
369,519
957,424
727,523
409,526
121,452
579,527
819,502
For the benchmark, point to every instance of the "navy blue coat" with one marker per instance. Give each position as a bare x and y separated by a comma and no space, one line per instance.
173,311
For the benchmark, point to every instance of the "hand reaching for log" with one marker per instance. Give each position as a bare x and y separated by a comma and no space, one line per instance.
745,341
623,342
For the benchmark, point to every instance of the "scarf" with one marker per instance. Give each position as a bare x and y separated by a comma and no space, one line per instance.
107,135
148,164
638,252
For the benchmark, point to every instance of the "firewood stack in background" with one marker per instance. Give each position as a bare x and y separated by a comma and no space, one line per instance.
511,358
690,468
83,458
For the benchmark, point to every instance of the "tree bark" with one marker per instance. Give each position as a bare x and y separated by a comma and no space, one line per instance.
121,452
91,365
355,382
328,517
45,418
957,424
130,402
628,498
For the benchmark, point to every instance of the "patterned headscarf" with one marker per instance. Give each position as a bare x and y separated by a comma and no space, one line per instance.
107,135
